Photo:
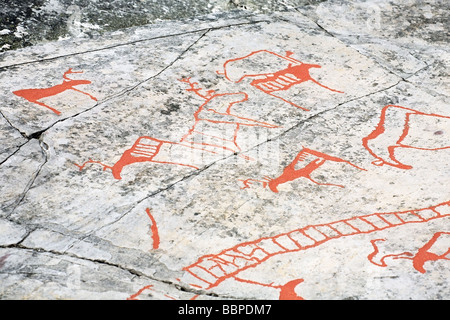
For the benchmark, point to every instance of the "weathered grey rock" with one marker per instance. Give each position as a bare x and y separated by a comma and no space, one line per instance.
238,157
80,85
121,37
404,36
26,274
31,22
10,233
18,173
11,139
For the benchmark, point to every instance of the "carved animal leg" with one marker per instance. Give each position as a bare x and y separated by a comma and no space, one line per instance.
48,107
324,184
323,86
287,101
90,96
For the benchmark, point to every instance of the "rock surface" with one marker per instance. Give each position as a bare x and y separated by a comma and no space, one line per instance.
298,154
29,22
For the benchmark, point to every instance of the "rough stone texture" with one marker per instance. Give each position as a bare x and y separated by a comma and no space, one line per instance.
204,160
10,140
29,22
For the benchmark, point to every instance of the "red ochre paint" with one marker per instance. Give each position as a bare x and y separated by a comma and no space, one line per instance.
381,130
290,173
419,259
154,229
140,291
34,95
287,291
212,269
296,72
146,148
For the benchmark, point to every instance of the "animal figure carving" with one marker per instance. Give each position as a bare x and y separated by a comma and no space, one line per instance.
419,259
215,130
34,95
145,149
217,111
401,127
286,291
284,73
212,269
313,159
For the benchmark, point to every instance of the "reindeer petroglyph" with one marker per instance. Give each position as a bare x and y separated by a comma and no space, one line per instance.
215,130
271,73
34,95
212,269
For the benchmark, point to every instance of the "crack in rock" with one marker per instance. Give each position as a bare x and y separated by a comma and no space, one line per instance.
33,178
55,218
19,244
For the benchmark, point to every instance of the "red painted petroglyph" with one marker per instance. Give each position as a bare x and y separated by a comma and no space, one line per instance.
249,182
216,110
210,270
140,291
145,149
294,73
287,291
419,259
290,173
154,229
384,140
34,95
382,263
136,295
